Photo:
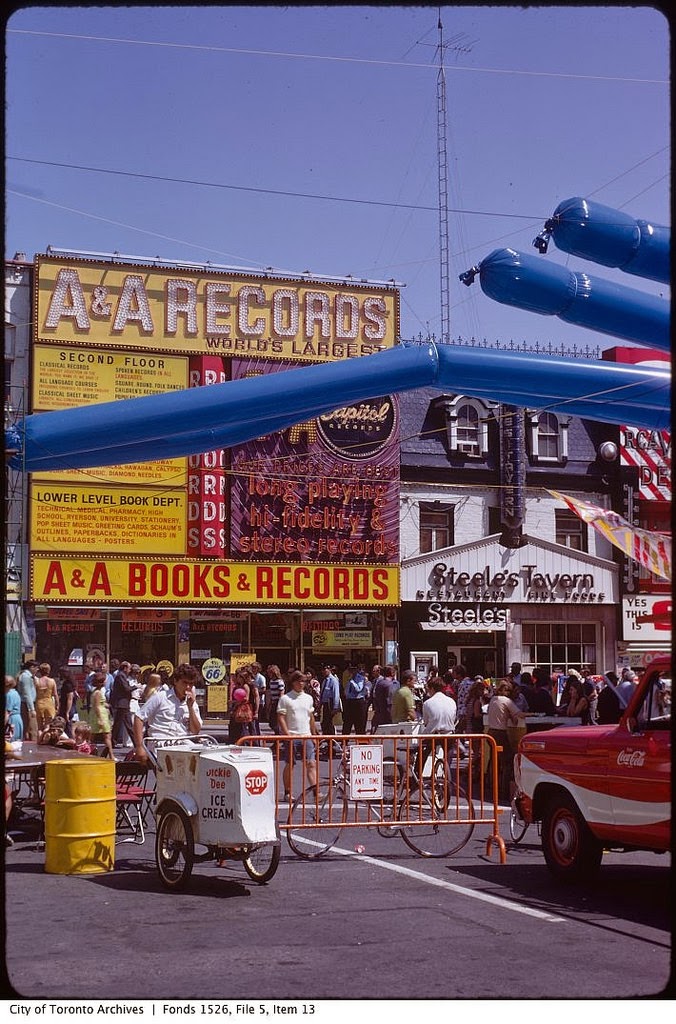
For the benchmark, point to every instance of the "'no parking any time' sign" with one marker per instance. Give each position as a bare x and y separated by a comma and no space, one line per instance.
366,772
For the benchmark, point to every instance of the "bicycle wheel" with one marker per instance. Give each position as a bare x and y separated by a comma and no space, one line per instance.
427,832
262,861
517,826
174,849
306,838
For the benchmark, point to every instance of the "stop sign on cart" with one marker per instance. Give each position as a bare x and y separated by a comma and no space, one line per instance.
366,773
256,782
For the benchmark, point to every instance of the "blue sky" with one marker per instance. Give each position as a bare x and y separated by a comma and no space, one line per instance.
285,104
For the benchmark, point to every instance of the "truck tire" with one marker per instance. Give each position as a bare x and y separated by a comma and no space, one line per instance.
572,853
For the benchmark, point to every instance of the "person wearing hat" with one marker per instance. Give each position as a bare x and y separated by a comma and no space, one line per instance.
355,705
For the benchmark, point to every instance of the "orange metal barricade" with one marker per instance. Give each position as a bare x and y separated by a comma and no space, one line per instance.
431,790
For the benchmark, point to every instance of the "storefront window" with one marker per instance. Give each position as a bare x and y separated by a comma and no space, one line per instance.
571,531
436,526
70,636
559,645
217,635
275,638
146,636
342,638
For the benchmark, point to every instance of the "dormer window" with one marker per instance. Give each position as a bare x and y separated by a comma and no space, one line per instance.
467,426
548,437
468,430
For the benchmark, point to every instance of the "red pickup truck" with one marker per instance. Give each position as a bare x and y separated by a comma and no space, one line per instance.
601,786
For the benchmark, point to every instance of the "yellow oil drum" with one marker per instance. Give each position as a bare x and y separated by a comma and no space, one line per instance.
79,816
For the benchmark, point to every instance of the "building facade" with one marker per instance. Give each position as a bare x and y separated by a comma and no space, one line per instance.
284,549
495,568
645,502
415,530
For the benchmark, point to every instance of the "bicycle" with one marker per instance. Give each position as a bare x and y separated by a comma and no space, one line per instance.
517,826
434,790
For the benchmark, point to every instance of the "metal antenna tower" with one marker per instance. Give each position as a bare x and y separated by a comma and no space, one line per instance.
442,166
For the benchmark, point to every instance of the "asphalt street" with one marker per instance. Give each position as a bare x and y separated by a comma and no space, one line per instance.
383,924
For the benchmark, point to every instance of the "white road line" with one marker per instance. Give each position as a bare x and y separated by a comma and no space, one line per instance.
460,890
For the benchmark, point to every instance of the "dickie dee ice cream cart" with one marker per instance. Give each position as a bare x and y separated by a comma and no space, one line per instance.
214,802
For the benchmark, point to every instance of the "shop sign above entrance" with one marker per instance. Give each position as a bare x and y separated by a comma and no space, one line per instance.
526,583
461,616
171,582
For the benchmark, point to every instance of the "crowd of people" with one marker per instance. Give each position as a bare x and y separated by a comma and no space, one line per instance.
303,703
43,709
120,705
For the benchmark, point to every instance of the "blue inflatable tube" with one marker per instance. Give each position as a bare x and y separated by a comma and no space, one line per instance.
539,286
611,238
221,415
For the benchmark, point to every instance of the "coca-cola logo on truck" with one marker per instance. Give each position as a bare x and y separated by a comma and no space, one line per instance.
631,758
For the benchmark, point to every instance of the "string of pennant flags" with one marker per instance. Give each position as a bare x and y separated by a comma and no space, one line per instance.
651,550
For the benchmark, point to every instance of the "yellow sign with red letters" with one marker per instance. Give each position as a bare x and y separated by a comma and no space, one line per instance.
63,580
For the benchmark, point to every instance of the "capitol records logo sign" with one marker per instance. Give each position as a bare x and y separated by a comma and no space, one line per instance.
256,782
359,431
631,758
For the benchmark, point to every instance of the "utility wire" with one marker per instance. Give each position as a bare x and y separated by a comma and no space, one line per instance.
263,191
338,60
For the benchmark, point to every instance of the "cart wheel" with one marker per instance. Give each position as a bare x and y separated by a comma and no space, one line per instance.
174,849
261,862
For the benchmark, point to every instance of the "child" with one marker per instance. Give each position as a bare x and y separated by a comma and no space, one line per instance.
82,734
54,734
241,715
101,714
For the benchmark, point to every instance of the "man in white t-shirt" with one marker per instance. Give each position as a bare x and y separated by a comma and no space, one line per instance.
295,717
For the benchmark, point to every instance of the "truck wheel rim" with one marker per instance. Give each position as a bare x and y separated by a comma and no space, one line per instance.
564,838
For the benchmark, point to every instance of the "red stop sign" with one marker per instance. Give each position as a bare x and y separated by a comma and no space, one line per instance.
256,782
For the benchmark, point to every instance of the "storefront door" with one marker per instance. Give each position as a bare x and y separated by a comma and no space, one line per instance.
479,661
